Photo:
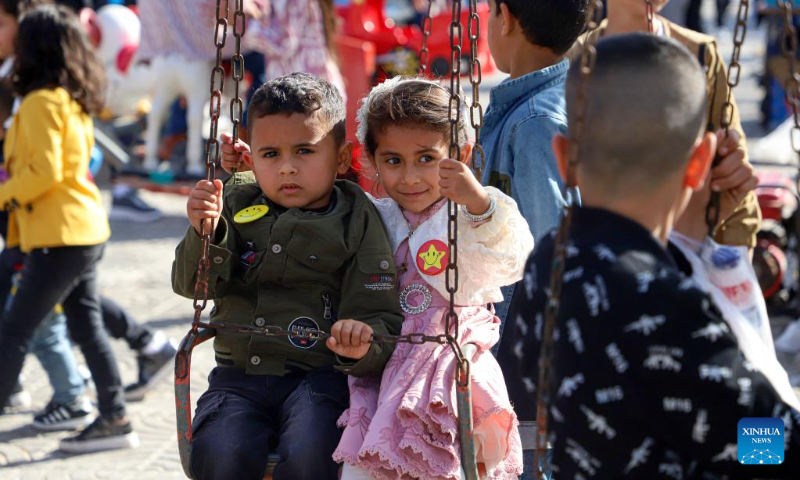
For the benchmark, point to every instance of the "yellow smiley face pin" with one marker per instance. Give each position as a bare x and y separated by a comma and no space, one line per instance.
251,214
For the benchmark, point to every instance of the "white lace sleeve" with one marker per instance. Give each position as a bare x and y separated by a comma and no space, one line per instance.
493,254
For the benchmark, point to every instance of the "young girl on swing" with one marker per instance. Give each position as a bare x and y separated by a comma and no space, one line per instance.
405,424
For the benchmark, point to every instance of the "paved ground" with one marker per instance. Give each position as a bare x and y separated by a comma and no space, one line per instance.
135,272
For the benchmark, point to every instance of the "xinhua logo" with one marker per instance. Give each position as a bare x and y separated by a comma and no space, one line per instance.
760,441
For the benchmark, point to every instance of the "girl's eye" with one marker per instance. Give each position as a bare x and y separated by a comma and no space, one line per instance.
427,159
270,154
305,151
393,161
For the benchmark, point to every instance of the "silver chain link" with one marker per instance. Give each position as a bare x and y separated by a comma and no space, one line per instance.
475,79
732,79
792,85
424,53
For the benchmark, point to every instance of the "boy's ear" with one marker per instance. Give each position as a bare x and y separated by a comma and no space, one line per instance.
509,21
345,158
700,162
466,153
560,146
248,159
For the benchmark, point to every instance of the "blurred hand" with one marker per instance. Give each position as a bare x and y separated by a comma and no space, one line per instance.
350,339
205,203
231,154
457,183
732,177
258,9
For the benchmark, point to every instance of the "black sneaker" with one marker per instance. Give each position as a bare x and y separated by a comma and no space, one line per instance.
131,208
58,416
103,434
152,368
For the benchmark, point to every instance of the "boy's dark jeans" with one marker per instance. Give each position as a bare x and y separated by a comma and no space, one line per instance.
66,275
241,418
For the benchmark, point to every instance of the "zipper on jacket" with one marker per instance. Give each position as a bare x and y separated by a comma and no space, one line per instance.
326,300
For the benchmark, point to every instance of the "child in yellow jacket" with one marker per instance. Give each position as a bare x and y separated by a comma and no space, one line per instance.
56,215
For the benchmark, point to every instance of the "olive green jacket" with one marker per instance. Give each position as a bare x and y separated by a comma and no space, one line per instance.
296,270
741,227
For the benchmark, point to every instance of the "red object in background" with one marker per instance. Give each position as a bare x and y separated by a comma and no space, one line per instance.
397,46
775,196
372,47
359,57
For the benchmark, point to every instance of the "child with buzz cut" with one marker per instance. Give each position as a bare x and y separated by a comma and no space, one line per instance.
648,379
529,40
731,176
299,250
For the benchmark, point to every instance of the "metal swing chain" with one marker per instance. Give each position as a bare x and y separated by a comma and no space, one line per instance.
732,79
424,53
200,299
237,67
651,15
792,86
451,280
588,59
475,79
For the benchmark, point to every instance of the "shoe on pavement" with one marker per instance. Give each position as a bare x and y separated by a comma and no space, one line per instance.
789,340
152,369
64,416
103,434
131,208
18,400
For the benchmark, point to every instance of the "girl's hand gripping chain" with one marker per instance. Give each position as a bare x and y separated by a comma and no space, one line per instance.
231,154
350,339
457,183
205,202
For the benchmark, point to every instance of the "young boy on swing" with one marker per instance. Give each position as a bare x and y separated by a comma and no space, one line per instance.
732,175
529,41
298,250
648,381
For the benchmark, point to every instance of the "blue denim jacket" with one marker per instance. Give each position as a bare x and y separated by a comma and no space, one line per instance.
523,116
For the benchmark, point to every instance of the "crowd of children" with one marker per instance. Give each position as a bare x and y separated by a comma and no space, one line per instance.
654,364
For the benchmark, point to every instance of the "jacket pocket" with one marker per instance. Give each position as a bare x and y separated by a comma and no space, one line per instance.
376,262
313,259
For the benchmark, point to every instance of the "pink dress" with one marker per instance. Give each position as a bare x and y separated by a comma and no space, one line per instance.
404,424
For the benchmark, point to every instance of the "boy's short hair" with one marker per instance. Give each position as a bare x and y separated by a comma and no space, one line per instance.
645,110
554,24
300,93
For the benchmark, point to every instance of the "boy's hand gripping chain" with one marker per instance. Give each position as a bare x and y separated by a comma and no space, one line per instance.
734,72
183,359
792,86
588,58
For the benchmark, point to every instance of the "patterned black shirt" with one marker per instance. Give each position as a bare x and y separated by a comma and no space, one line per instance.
648,381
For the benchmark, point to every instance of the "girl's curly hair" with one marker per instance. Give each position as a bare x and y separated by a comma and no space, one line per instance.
52,50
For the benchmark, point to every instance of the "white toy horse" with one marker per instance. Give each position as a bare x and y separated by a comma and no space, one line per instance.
164,78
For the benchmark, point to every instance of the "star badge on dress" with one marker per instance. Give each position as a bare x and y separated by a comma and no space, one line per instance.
433,257
250,214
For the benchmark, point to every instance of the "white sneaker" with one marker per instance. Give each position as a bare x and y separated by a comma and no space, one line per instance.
789,341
